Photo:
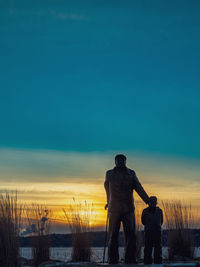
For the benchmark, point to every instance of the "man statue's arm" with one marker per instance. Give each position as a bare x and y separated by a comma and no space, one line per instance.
106,186
140,190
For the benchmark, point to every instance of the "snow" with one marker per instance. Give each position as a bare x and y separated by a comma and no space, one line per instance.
64,253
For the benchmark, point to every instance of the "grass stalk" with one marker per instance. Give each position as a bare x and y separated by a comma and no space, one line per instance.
39,224
10,224
178,220
79,221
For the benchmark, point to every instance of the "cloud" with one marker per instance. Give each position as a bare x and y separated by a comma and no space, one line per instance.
56,166
59,176
54,178
47,165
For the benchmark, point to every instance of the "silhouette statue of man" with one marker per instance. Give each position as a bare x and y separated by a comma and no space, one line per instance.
119,185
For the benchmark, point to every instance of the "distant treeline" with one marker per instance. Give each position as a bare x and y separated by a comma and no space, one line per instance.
65,240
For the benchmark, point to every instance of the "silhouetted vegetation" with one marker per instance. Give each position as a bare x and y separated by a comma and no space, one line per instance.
10,223
39,225
79,220
179,221
180,235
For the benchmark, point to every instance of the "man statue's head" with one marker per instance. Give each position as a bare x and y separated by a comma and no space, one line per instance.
120,160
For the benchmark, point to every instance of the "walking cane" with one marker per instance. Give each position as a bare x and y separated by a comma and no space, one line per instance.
105,241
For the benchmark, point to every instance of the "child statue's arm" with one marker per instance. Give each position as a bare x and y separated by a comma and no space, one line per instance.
143,217
161,214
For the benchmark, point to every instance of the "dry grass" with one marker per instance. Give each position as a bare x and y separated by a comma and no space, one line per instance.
179,221
79,220
39,223
10,223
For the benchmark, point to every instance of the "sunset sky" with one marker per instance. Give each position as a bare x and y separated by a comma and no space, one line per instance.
81,81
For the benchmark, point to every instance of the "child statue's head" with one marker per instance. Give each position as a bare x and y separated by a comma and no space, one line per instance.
152,201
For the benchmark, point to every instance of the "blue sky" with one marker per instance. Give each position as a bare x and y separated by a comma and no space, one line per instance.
100,76
83,80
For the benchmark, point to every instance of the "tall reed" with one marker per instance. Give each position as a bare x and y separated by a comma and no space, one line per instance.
79,221
39,221
10,224
179,221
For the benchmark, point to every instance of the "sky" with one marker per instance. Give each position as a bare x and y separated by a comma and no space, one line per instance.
81,81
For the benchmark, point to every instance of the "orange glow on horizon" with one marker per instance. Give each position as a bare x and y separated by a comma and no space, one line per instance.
57,196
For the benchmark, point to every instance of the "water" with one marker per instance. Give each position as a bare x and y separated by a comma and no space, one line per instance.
64,254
